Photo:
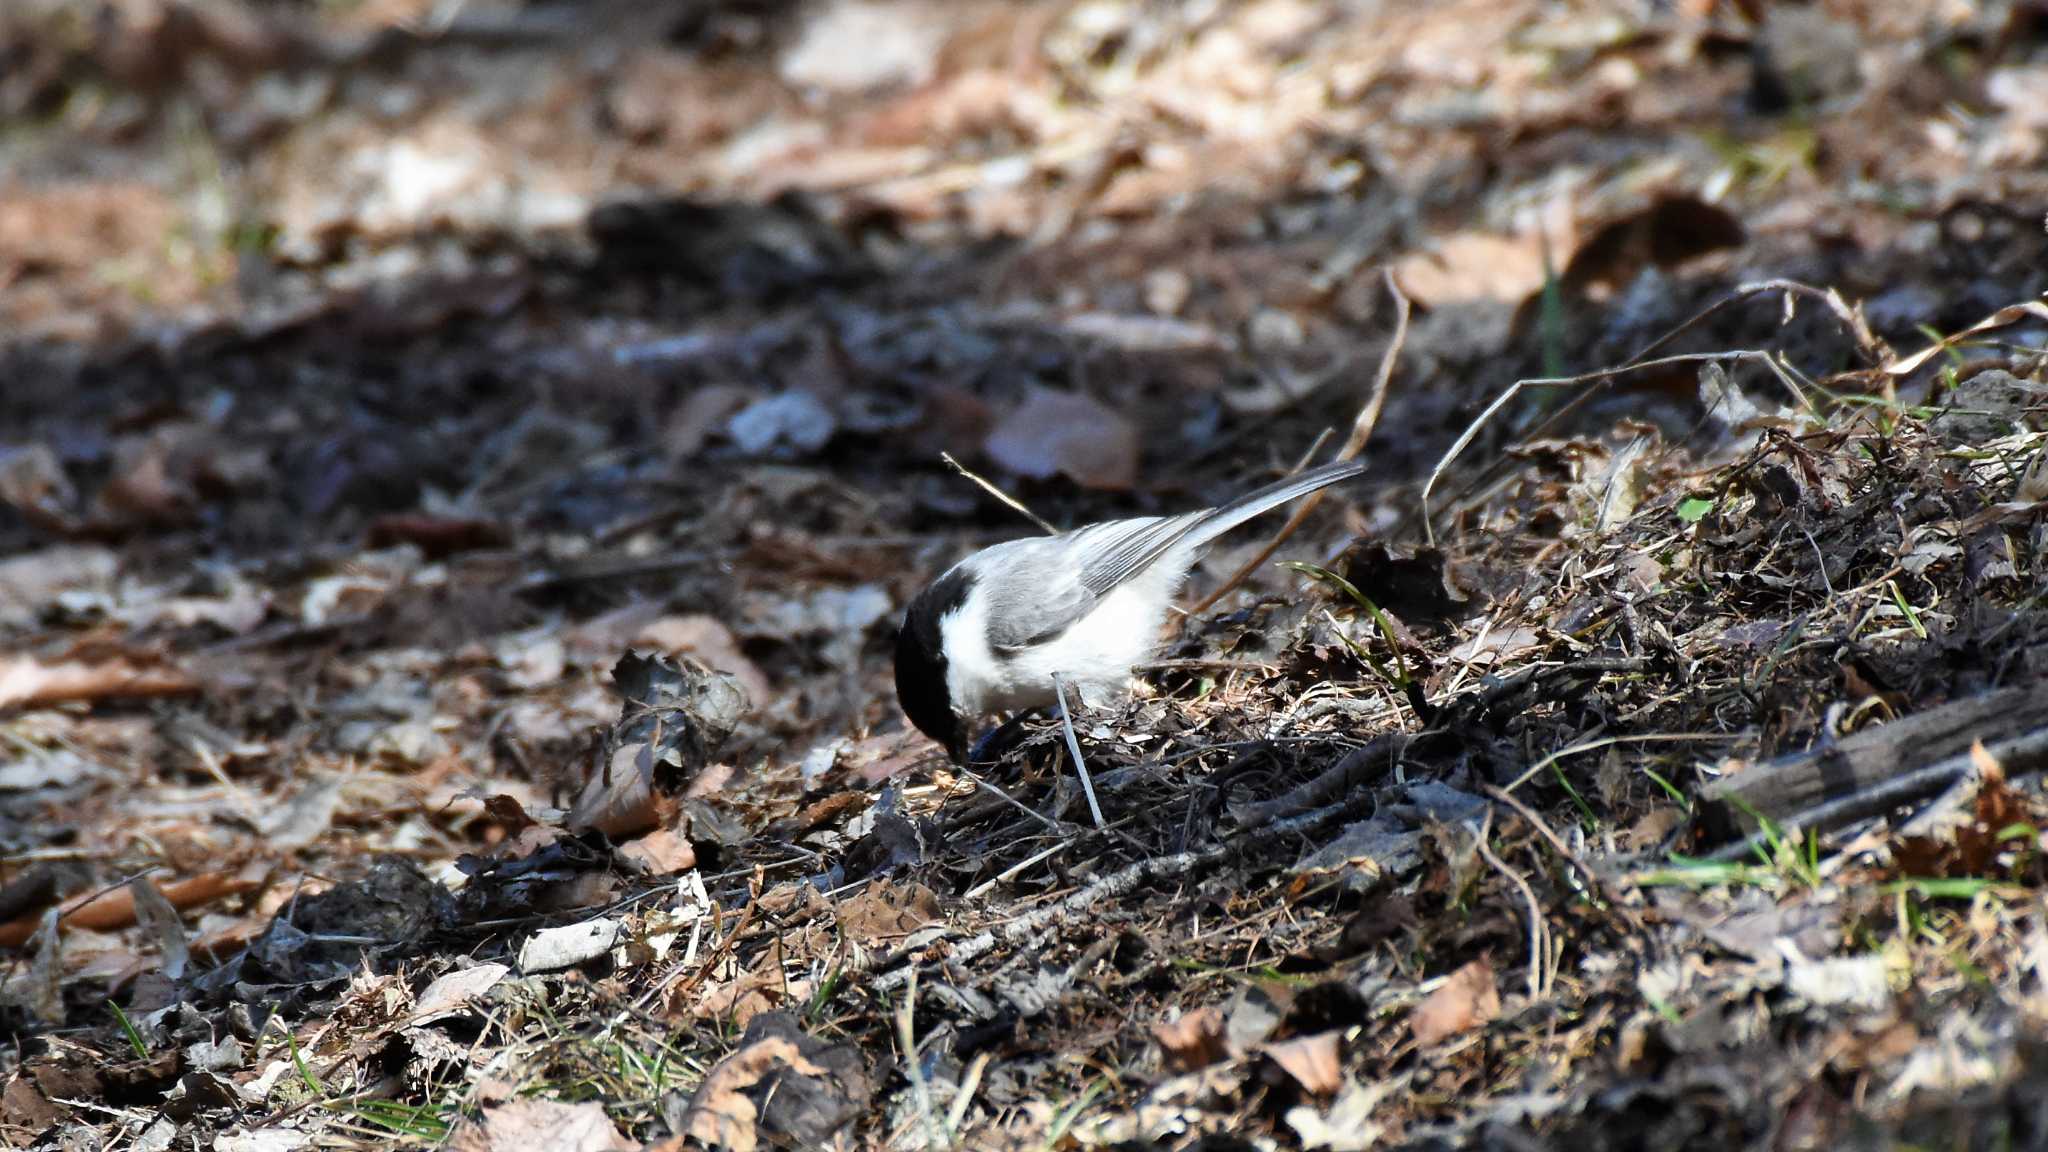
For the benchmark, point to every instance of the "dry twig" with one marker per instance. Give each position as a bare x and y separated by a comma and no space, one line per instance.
1539,929
1361,431
1009,501
1059,689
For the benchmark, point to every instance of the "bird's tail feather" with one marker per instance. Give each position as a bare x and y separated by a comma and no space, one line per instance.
1252,504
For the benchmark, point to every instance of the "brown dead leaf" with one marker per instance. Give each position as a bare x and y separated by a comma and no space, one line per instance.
23,1106
712,643
1653,826
782,1088
151,482
661,852
1470,266
31,581
885,911
1315,1062
1055,433
30,681
822,812
1193,1041
1972,847
507,813
622,800
721,1114
952,416
457,988
750,995
1465,1001
702,413
527,1125
33,482
1667,232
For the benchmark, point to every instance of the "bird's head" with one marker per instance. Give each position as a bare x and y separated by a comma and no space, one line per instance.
921,664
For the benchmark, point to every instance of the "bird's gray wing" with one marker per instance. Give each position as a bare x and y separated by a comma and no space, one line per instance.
1050,582
1132,551
1041,586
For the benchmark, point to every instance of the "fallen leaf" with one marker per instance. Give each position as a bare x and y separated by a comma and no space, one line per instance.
23,1106
532,659
621,801
704,411
674,717
1473,266
31,582
750,995
1054,433
1461,1003
304,818
1347,1126
161,920
40,990
529,1125
1379,846
660,853
458,988
507,813
151,481
885,911
223,1055
1759,932
782,1086
793,421
1496,645
1193,1041
552,949
1314,1062
27,680
712,643
855,46
33,481
1653,826
1854,982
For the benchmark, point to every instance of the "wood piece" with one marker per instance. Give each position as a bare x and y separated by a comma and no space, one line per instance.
1873,770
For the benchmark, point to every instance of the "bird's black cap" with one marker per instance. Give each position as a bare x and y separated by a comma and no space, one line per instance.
921,663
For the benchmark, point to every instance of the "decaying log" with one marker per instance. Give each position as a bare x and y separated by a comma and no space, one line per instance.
1879,768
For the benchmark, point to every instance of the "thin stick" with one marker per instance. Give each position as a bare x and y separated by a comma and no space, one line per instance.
1009,501
906,1035
1013,802
1539,945
1603,375
1015,870
1361,431
1598,743
1059,689
1866,343
1594,881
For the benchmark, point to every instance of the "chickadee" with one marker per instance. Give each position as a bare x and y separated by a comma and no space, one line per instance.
1086,606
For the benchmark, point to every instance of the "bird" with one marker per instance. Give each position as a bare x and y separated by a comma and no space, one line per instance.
1086,606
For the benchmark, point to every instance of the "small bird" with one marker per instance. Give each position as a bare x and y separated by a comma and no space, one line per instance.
1086,606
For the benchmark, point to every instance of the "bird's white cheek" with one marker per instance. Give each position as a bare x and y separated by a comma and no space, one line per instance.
974,673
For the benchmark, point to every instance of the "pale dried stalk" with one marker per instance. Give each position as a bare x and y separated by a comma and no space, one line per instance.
1361,431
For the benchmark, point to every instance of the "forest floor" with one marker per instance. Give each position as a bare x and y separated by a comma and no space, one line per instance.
462,464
